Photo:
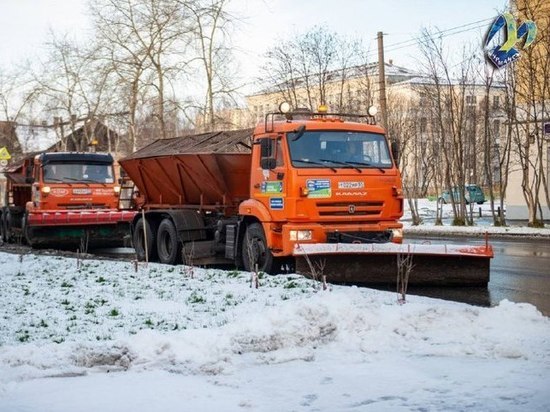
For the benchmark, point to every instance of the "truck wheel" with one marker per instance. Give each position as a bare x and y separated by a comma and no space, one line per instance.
167,243
2,226
138,240
255,250
25,229
8,224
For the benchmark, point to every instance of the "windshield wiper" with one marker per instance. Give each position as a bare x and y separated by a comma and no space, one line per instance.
312,162
74,179
92,181
342,163
368,165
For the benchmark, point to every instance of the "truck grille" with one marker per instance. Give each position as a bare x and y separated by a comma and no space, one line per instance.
350,208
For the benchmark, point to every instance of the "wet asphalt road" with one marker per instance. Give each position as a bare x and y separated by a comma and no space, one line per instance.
520,272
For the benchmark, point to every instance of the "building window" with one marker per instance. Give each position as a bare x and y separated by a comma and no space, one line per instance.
470,99
496,102
496,127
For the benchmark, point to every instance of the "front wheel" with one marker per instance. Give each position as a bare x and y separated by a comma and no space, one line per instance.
26,230
255,250
167,242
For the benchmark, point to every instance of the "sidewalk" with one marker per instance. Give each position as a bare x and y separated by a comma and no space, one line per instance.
475,231
482,225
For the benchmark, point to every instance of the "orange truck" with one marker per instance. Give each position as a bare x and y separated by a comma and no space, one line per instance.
301,189
64,199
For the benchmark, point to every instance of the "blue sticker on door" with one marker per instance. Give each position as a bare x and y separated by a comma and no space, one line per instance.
276,203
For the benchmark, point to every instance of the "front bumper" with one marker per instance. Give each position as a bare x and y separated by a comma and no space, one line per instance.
337,233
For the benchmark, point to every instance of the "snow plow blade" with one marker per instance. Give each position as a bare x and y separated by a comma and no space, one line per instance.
72,229
377,264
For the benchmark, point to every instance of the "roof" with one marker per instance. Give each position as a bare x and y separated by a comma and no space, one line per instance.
234,141
68,157
393,73
425,80
17,178
35,138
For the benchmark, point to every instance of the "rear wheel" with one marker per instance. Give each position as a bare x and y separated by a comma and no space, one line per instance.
167,242
2,226
138,239
7,227
256,252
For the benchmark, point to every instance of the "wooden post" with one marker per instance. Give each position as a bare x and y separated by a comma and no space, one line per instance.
382,80
145,235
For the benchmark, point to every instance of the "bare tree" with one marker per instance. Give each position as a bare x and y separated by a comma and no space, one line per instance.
449,90
71,86
403,126
144,40
128,60
17,93
212,24
314,68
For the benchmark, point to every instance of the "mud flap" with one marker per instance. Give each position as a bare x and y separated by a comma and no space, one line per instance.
377,264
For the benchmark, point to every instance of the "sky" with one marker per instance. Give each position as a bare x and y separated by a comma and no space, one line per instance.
24,24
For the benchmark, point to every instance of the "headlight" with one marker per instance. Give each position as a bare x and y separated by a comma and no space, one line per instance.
397,235
116,189
301,235
46,189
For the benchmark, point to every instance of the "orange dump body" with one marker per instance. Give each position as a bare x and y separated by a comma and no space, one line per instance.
193,172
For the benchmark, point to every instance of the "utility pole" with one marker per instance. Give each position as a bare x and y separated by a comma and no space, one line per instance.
382,80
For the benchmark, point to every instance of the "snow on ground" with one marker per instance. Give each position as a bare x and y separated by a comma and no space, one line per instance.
103,337
427,211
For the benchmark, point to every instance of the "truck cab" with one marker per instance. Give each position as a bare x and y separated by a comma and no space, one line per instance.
320,178
72,181
64,199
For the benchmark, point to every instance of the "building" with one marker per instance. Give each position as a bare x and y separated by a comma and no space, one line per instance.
529,176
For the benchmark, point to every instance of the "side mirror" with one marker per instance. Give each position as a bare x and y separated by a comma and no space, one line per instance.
395,152
268,163
265,147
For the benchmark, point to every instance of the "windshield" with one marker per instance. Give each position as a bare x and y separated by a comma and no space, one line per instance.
339,149
78,172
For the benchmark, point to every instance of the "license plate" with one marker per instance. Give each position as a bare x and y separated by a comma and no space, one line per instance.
82,191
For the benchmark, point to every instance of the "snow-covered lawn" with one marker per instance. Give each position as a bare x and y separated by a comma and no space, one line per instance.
105,338
427,211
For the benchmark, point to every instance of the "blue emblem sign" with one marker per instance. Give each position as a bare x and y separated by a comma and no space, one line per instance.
507,52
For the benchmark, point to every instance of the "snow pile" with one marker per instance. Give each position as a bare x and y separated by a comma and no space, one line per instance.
72,324
427,210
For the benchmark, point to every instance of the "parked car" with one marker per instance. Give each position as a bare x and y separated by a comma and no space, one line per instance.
472,194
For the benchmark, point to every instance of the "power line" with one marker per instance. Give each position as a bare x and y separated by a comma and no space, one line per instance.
440,34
